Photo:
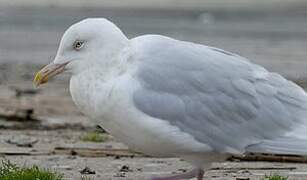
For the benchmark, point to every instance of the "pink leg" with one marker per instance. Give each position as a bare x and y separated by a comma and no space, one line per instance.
198,173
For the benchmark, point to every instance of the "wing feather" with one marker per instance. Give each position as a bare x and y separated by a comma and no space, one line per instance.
219,98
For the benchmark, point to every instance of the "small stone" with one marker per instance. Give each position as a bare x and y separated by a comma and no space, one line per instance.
22,141
139,169
125,168
116,157
120,174
73,153
182,170
87,170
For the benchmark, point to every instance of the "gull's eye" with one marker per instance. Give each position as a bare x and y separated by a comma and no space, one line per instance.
78,45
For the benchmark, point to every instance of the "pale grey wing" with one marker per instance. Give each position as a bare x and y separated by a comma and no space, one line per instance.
218,97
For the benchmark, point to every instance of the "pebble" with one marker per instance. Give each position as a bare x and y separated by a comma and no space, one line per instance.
87,170
22,141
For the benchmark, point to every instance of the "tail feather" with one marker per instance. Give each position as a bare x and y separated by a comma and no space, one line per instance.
283,146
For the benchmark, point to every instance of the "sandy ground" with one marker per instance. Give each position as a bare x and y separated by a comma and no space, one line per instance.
134,168
29,36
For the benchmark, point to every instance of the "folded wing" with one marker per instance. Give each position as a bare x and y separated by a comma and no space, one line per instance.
218,97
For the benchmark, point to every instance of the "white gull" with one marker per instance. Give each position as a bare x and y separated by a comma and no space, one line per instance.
171,98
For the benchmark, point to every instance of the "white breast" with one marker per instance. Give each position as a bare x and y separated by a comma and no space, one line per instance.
109,103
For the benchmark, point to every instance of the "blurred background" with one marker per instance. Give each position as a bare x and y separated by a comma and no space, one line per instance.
272,33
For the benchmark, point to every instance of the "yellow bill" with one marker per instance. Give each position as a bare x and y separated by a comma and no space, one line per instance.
48,72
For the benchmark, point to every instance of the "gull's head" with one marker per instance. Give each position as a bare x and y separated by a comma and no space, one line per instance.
89,43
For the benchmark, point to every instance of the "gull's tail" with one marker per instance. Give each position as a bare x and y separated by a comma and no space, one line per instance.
293,143
282,146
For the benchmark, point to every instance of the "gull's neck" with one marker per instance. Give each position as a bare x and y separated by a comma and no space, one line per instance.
95,84
116,61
